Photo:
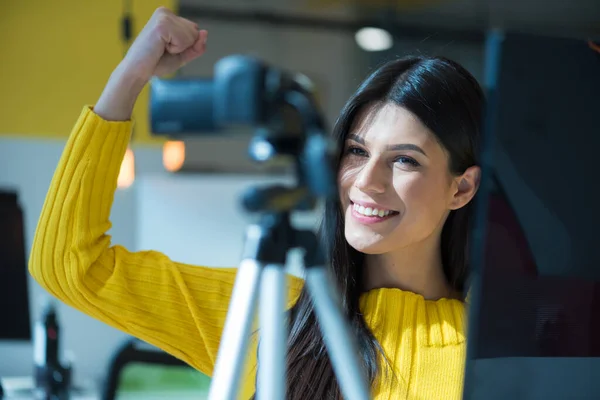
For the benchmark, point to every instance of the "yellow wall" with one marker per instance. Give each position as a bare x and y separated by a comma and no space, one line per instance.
56,57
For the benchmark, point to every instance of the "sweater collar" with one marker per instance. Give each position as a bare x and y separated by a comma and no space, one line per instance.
389,311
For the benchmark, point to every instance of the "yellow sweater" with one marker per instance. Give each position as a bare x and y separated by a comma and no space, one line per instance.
181,308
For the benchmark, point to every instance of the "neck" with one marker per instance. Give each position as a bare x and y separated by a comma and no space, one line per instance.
417,269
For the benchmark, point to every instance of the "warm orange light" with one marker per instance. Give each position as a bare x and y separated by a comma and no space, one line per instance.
127,172
173,155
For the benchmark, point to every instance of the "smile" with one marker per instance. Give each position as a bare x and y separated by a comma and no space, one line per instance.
370,213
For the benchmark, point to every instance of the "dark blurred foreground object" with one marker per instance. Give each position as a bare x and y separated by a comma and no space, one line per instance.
14,297
534,330
52,377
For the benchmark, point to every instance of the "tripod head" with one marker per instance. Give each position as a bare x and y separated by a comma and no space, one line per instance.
280,106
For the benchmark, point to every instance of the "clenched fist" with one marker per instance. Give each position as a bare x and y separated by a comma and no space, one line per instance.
165,44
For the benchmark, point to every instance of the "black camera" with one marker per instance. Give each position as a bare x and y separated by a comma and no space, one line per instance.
280,105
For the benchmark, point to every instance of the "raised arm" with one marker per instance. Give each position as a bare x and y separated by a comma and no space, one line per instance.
165,44
177,307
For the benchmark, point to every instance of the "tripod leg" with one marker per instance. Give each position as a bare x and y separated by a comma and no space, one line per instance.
272,347
336,334
234,340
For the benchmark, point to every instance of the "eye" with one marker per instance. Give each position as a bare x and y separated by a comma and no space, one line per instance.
404,160
356,151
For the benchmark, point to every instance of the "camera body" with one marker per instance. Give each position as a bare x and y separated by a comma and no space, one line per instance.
237,95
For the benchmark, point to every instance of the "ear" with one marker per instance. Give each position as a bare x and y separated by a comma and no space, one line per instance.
465,187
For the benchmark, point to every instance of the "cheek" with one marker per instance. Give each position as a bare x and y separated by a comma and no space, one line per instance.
420,193
411,187
346,177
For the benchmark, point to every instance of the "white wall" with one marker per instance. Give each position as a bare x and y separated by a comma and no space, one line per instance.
200,217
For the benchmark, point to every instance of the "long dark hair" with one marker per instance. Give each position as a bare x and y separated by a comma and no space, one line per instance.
449,101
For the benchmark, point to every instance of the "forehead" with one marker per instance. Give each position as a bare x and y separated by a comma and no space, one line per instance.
383,124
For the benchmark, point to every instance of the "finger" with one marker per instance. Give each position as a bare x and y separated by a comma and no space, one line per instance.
196,50
190,29
182,38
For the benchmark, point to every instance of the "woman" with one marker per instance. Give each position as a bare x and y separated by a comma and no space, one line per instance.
397,236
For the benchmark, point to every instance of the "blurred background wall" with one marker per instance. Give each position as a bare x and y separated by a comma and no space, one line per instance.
57,55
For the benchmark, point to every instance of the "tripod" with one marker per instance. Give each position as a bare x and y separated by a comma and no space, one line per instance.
283,107
263,269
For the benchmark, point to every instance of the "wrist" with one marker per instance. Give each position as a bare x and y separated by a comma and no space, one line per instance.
120,94
128,79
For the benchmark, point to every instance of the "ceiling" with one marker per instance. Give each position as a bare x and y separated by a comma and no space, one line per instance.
562,17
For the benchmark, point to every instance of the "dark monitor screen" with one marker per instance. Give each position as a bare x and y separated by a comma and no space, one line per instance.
534,330
14,301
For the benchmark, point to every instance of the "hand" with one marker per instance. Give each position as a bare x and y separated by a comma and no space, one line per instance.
165,44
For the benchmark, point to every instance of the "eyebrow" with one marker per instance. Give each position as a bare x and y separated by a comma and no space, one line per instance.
393,147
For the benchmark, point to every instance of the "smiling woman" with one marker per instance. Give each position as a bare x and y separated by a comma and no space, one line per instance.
409,139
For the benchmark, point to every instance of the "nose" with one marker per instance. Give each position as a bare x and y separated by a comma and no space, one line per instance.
372,178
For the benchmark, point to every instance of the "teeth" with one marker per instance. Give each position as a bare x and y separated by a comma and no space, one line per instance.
368,211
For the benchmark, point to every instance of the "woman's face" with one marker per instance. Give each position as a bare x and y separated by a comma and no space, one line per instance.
395,185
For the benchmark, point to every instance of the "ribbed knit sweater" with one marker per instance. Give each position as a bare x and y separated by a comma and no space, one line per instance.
182,308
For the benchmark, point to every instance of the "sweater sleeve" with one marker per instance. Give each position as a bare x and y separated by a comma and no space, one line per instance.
177,307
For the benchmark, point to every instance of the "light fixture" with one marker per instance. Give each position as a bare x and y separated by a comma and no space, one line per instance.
173,155
127,171
373,39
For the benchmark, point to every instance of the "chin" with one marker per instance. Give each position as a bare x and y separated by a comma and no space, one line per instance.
367,244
